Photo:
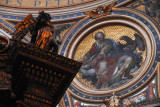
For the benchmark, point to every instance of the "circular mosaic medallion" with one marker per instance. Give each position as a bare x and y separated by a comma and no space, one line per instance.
119,53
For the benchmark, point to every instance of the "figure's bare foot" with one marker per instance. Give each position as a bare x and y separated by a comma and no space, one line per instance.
98,85
128,76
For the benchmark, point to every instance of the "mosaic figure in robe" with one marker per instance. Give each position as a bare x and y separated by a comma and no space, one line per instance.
107,62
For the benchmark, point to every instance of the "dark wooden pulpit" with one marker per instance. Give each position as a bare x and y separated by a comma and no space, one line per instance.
39,77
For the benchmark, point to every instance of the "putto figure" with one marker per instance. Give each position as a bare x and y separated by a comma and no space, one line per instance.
41,32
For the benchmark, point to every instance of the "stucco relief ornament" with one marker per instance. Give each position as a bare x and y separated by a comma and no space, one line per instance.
100,11
113,101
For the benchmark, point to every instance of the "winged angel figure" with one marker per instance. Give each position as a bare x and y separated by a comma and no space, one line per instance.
44,35
100,11
109,64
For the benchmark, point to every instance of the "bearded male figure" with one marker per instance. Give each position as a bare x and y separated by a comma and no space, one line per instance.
103,62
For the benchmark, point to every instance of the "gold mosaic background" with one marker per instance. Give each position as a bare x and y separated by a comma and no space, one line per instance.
113,32
138,6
